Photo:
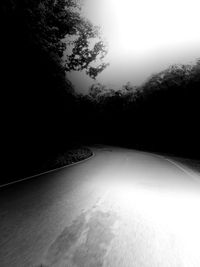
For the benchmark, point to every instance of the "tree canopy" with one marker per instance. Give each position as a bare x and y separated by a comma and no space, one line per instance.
49,24
87,48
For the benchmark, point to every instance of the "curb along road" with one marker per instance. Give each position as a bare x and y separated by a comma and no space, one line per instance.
39,174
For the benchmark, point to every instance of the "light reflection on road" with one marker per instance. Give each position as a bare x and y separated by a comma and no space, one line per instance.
120,209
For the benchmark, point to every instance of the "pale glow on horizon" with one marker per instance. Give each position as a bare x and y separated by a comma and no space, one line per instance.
145,36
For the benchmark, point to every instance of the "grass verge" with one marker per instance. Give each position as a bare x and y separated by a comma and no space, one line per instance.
67,158
57,161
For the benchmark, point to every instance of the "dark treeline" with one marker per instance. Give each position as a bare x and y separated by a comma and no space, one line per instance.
161,115
42,116
37,99
39,107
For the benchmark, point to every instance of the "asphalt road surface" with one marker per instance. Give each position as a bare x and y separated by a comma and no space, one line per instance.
121,208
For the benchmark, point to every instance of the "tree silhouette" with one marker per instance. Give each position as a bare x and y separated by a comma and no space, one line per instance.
87,48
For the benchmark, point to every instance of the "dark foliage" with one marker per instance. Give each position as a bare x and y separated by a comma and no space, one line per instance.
31,70
39,114
42,116
161,115
83,55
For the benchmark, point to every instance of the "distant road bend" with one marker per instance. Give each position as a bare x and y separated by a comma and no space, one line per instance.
121,208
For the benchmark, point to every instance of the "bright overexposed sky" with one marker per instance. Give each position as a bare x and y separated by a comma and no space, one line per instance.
143,36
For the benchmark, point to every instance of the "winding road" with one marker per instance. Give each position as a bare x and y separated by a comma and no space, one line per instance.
121,208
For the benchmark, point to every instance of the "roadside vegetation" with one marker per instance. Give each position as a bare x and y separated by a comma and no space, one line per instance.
44,117
161,115
71,156
39,108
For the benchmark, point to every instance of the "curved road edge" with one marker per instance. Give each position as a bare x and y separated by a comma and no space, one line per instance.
188,171
39,174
